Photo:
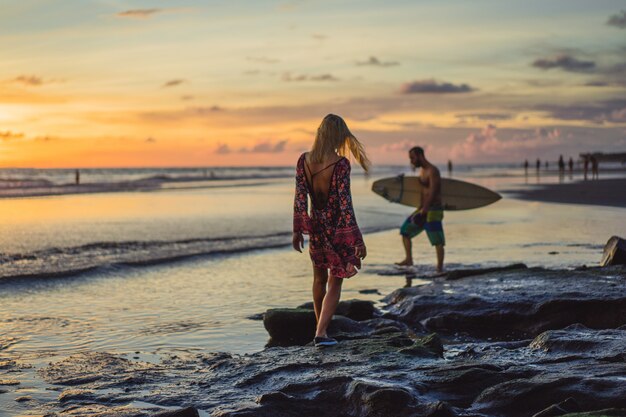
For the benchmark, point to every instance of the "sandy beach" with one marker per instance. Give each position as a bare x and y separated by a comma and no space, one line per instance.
603,192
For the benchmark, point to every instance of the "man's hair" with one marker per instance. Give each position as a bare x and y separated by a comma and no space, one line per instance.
417,150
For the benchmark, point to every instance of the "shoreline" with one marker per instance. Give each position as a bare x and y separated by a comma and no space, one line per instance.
603,192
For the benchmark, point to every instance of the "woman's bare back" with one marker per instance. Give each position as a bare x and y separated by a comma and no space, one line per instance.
319,176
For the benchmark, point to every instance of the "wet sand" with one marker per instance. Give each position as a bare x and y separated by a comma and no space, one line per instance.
607,192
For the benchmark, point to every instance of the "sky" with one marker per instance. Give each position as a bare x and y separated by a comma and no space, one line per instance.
112,83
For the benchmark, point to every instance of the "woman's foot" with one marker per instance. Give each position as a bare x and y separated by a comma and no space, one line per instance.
324,341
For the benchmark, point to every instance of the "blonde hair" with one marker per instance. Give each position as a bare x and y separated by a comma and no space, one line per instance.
333,136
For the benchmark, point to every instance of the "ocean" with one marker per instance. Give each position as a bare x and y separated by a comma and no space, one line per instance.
185,264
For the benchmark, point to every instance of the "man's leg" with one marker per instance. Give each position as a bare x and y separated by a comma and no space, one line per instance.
329,305
408,252
440,253
320,278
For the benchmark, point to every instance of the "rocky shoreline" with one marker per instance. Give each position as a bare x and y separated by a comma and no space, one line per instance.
511,342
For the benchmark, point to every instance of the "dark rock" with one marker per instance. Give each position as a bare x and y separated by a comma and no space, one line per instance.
369,291
614,252
77,395
564,407
519,397
258,316
9,382
610,412
184,412
464,273
426,346
544,343
23,399
374,400
290,326
358,310
342,328
496,306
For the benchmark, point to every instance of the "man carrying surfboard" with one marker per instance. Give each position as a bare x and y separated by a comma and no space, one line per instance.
429,215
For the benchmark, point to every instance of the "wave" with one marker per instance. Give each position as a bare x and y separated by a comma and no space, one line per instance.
61,262
69,261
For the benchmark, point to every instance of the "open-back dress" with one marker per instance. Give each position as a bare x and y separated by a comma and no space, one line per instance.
332,228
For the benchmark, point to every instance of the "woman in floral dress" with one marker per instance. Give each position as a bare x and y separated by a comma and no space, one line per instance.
335,241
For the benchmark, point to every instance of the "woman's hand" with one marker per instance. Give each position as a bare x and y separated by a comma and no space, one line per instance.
298,241
360,251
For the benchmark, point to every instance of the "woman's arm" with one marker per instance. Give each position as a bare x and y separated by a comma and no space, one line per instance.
347,225
301,219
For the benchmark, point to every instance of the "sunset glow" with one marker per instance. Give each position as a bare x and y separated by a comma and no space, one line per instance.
188,83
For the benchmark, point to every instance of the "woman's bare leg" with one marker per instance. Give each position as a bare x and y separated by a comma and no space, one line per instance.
320,278
329,305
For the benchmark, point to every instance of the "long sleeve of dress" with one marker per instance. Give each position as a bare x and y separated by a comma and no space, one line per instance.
347,231
301,219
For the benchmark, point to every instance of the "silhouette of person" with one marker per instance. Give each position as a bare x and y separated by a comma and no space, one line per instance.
449,168
77,177
594,168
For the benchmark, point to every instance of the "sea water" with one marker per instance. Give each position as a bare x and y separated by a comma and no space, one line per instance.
139,273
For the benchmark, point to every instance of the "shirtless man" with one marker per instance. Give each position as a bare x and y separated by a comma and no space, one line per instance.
429,216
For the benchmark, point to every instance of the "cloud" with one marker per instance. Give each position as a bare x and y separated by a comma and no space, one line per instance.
403,145
432,86
223,149
564,62
486,143
204,110
373,61
139,13
260,147
618,20
8,135
266,147
487,116
187,98
319,36
322,77
150,140
173,83
600,112
29,80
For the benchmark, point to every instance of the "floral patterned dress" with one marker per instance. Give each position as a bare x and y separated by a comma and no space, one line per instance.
332,229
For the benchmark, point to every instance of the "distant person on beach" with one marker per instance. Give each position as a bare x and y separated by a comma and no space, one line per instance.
77,177
595,174
570,164
335,241
561,165
526,167
538,164
586,165
449,168
427,217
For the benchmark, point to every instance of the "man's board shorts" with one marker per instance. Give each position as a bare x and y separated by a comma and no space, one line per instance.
433,227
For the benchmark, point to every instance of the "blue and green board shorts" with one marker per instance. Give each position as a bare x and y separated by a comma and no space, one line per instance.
433,227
